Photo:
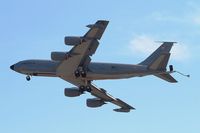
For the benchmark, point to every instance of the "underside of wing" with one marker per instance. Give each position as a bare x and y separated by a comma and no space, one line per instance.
102,97
102,94
96,30
79,58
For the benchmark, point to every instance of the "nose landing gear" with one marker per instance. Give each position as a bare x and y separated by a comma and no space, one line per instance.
28,78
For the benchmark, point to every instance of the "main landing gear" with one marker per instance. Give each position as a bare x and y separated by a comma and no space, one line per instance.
79,73
28,78
85,88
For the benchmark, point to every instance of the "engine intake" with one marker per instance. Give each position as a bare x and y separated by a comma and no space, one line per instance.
59,56
73,40
72,92
94,102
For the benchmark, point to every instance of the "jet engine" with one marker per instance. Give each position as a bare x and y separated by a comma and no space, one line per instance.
72,92
73,40
94,102
59,56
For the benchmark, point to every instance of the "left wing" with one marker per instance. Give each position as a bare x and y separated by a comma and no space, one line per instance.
104,96
80,54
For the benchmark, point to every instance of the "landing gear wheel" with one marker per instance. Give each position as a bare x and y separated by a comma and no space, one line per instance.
88,89
77,73
28,78
83,74
82,89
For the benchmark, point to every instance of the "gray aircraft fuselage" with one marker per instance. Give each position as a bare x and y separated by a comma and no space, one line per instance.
95,71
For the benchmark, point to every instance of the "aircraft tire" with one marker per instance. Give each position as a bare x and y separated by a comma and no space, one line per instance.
28,78
88,89
83,74
77,74
82,89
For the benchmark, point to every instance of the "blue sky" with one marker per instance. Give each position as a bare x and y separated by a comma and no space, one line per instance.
32,29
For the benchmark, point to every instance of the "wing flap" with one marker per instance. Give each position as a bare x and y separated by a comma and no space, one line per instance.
108,98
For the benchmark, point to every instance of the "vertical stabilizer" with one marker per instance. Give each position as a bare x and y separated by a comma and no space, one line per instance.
159,58
158,61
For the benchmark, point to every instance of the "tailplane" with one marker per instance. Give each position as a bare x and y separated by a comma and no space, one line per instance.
158,61
166,77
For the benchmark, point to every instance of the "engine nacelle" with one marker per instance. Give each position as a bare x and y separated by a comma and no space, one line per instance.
59,56
94,102
72,92
73,40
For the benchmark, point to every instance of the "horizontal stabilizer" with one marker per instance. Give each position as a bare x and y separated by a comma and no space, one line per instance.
167,77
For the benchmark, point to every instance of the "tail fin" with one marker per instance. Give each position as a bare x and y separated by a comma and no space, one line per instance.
158,61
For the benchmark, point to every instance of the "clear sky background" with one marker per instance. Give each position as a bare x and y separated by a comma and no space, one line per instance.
31,29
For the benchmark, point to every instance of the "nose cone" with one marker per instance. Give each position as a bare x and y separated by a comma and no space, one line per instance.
12,67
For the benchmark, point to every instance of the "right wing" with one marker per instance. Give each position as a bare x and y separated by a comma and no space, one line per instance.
103,95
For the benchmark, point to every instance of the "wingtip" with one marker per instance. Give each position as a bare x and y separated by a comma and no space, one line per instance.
123,110
99,24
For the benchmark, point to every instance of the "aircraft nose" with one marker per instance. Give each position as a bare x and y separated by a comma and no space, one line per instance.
12,67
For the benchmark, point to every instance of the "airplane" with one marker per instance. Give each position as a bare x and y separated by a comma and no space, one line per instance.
75,67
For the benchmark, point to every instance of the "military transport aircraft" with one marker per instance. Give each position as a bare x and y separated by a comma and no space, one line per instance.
76,67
